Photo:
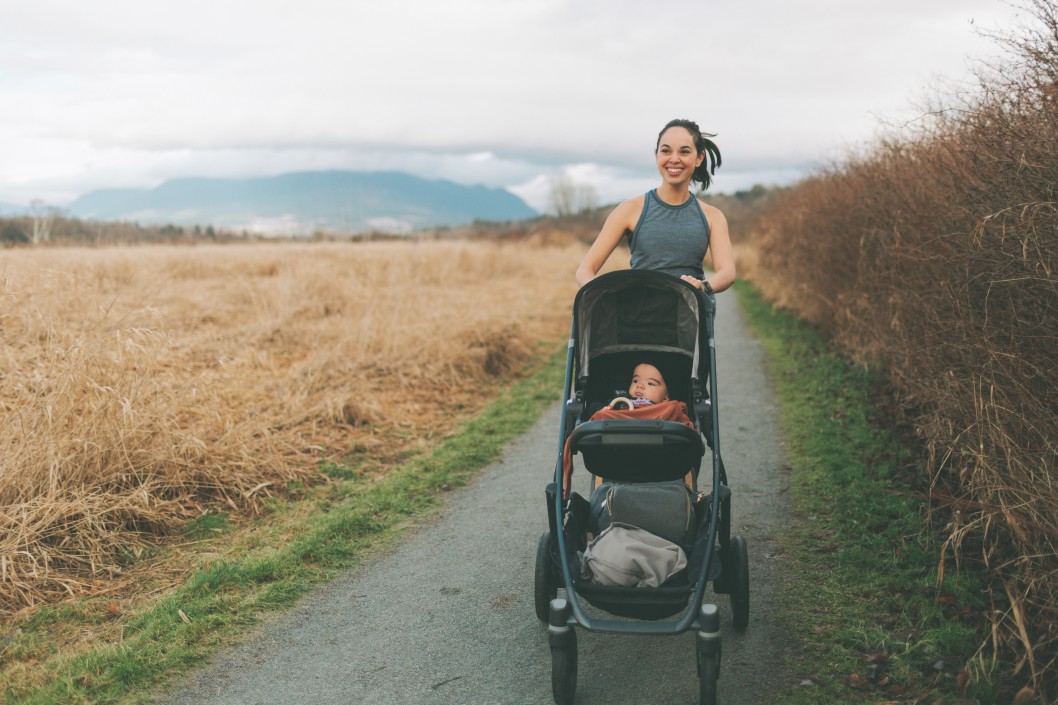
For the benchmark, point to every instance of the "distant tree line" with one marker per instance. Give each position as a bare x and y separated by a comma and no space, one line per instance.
574,210
50,226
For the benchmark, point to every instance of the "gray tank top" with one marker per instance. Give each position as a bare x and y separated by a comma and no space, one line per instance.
670,239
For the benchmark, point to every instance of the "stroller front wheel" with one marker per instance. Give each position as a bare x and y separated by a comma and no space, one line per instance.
564,669
708,674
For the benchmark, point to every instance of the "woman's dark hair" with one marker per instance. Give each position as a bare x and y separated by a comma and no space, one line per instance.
702,143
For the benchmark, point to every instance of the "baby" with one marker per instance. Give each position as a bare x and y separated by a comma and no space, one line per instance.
647,387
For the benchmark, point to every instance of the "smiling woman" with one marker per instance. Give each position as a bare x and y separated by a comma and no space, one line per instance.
670,229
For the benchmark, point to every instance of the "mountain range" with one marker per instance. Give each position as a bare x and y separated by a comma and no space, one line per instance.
7,209
305,202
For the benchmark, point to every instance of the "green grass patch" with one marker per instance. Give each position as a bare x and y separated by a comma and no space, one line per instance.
208,526
862,593
352,519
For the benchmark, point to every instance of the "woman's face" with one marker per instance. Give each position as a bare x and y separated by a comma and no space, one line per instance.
677,156
647,383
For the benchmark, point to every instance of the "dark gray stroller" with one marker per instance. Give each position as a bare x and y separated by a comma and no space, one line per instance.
620,319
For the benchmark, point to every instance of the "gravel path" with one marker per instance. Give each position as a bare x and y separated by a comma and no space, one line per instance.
447,617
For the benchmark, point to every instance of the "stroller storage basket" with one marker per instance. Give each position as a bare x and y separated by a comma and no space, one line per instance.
636,603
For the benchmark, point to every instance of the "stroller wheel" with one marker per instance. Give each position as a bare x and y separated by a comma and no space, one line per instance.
708,674
740,583
564,669
544,589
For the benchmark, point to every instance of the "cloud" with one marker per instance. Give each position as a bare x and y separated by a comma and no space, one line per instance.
507,93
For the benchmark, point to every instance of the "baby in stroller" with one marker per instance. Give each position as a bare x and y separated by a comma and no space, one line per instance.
647,387
643,546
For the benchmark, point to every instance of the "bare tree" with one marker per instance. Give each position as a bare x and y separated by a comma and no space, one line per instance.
587,198
568,197
43,215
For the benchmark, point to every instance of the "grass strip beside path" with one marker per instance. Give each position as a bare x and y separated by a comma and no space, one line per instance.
293,553
862,593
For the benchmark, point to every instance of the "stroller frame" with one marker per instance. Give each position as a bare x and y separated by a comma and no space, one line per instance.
564,613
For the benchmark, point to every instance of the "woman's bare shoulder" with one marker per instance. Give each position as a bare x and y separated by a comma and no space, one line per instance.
635,203
622,219
628,211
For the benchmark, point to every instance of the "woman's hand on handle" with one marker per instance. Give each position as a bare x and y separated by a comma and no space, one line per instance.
697,283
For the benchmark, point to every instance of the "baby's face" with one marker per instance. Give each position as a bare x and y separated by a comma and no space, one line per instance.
647,383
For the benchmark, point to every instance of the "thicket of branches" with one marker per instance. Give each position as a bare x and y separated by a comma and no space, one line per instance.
935,257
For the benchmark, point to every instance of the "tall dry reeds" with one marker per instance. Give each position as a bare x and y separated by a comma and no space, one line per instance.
140,387
935,256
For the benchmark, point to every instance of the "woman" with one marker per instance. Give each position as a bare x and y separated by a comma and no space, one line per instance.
670,230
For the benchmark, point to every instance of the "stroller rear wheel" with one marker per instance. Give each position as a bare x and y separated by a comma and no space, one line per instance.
740,583
707,653
544,589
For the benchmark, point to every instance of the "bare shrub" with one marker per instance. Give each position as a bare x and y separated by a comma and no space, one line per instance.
140,388
935,256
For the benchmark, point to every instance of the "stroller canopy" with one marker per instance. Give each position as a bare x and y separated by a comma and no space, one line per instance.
638,311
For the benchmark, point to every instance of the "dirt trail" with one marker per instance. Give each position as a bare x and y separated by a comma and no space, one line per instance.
447,617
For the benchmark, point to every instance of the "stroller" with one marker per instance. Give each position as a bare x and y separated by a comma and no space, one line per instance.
620,319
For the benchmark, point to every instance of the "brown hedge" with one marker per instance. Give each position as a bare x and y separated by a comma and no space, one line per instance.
934,256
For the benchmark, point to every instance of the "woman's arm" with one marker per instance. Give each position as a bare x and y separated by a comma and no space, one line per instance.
621,220
723,275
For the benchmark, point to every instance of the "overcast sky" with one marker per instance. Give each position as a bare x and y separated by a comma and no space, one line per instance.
510,93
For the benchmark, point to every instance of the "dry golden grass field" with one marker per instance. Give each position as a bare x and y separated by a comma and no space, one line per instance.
143,386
